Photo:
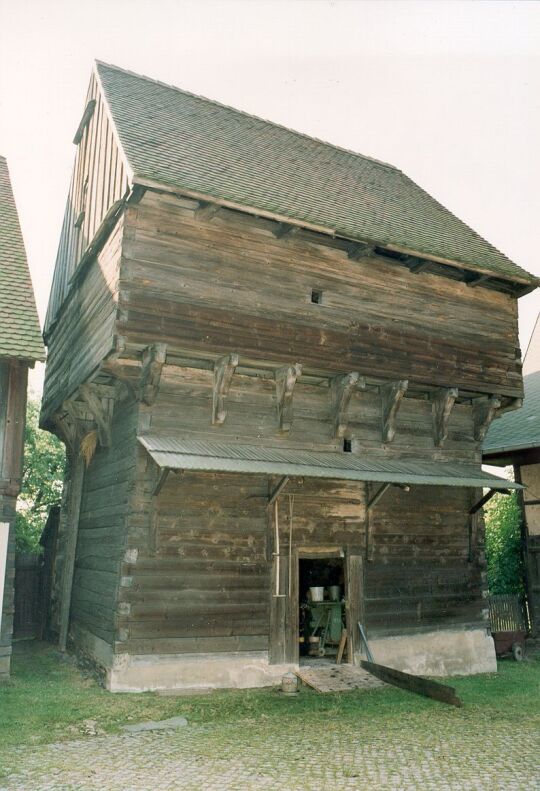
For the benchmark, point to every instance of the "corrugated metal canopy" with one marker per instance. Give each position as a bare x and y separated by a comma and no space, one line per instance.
182,454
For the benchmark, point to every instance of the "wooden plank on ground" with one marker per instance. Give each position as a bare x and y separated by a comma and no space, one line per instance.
417,684
337,678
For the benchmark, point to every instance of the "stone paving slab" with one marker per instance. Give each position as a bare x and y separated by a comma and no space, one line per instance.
258,754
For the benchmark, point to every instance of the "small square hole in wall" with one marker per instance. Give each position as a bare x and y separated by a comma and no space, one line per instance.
316,297
347,445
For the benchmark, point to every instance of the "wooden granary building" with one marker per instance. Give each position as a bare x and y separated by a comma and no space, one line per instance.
273,362
20,346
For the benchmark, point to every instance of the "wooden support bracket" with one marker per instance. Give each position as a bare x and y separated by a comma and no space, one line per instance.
509,405
377,496
382,490
67,426
357,250
477,280
153,360
486,498
284,229
342,388
285,381
206,211
95,405
391,396
224,369
419,266
278,490
163,475
442,403
484,411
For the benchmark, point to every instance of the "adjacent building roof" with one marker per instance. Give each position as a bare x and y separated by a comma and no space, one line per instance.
180,454
185,141
520,430
20,335
517,430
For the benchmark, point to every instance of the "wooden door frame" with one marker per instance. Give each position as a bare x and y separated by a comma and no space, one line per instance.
284,625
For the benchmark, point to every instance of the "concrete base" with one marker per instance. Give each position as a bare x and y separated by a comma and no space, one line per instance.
440,653
240,670
460,652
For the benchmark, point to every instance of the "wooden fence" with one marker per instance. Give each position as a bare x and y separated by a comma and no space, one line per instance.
28,599
507,613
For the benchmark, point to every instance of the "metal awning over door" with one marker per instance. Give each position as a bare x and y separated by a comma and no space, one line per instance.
175,453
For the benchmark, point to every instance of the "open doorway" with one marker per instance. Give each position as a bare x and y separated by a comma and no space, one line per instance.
321,605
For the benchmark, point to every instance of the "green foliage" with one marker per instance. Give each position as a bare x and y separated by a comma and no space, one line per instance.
48,700
44,461
503,553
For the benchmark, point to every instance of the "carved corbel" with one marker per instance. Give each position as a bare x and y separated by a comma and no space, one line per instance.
68,424
224,369
391,396
153,360
484,410
342,388
442,403
101,416
285,381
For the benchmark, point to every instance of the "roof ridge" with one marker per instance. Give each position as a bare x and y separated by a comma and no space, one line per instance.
249,115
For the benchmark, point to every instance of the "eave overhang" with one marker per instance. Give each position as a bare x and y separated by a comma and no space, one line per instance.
174,453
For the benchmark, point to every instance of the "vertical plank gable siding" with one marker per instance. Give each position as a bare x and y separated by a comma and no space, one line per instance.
99,179
230,284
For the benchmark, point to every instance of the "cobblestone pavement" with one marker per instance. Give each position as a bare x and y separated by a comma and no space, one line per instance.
264,754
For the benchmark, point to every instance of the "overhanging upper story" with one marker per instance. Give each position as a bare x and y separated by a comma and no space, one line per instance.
212,233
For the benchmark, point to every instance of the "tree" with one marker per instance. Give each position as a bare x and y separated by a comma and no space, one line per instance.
503,545
43,473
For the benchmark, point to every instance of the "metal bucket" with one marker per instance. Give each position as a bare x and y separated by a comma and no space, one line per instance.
289,684
335,592
317,594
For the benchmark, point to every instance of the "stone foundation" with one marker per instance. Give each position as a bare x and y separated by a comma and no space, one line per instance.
441,653
240,670
459,652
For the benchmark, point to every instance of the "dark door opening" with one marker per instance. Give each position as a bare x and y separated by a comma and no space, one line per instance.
322,607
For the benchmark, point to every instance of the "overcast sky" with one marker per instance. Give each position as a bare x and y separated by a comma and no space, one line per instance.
447,91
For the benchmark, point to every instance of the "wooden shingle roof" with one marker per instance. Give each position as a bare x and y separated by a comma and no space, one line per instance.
20,336
175,138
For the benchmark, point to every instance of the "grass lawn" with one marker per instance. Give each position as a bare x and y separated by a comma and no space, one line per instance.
48,699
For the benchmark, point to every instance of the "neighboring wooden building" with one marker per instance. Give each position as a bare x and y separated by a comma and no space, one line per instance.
515,441
20,347
279,359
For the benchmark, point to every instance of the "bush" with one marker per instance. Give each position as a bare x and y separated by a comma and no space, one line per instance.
43,473
503,545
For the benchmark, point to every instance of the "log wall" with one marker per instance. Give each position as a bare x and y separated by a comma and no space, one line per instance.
197,574
230,285
79,342
109,481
